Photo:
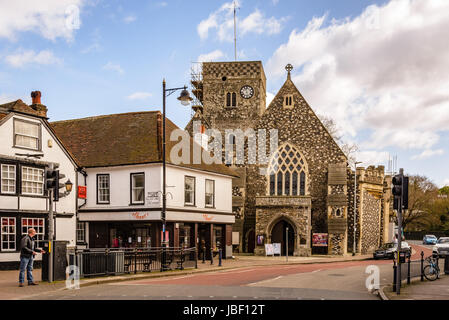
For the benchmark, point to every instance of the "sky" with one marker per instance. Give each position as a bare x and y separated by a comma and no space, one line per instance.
379,69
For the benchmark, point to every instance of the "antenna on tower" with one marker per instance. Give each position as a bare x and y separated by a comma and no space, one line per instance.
235,32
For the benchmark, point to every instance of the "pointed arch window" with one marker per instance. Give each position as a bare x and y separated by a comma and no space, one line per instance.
231,99
287,172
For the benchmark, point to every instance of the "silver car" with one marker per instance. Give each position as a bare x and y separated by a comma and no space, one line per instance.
442,247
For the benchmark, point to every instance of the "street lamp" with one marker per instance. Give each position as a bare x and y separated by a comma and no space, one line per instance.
355,203
185,99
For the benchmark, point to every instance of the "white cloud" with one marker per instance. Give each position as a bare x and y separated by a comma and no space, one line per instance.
25,57
139,95
113,67
222,20
428,153
384,71
162,4
129,19
211,56
275,2
372,157
50,18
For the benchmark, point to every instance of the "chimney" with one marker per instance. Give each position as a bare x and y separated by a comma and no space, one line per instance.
37,105
36,96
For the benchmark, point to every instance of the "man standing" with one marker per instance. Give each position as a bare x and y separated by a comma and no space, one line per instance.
27,253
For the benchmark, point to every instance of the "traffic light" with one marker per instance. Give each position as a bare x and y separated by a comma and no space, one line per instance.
52,178
400,191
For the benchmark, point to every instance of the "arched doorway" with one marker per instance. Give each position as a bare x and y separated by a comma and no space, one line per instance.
250,240
279,233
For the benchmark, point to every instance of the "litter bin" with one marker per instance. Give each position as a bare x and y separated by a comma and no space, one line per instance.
59,252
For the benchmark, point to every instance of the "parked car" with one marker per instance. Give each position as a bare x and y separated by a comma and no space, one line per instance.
442,247
429,239
387,250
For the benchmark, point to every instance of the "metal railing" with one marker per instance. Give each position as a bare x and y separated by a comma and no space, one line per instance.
115,261
413,269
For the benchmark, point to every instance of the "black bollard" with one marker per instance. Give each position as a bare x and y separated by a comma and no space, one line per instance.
422,265
446,264
211,256
220,257
204,255
394,277
408,270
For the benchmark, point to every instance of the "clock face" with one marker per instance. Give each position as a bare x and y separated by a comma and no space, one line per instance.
247,92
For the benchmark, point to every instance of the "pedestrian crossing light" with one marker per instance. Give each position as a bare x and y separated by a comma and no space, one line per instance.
400,191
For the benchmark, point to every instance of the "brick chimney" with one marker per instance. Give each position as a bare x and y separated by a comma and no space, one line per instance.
37,105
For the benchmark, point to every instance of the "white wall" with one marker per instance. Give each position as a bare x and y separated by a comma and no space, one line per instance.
65,226
120,186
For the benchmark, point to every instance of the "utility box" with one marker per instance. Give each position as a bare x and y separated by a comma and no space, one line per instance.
59,252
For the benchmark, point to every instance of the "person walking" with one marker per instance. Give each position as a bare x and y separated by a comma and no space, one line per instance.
27,252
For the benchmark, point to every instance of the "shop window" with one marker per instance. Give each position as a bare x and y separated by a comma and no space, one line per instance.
189,191
210,193
37,224
32,181
137,188
184,236
26,134
217,240
103,189
8,181
8,240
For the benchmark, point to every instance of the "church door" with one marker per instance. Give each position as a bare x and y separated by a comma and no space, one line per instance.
279,233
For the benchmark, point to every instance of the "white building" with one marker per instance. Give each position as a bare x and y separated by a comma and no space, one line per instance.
28,145
121,160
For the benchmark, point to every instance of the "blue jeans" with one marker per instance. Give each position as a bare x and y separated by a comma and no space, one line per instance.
26,263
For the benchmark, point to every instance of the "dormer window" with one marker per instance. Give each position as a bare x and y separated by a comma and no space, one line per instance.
27,134
288,101
231,100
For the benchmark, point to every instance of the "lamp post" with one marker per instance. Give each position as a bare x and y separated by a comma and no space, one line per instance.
185,99
355,204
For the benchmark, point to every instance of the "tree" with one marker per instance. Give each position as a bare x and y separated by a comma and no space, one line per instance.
347,148
421,203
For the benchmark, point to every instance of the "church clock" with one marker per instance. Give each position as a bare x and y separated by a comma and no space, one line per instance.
246,92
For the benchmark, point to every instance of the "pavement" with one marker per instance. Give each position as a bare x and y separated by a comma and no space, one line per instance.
417,290
9,279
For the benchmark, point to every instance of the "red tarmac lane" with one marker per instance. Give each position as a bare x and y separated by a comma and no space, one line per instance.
248,275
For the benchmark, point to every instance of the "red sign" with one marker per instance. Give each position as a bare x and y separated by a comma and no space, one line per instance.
140,215
82,192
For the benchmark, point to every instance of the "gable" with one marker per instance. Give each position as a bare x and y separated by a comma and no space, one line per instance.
299,123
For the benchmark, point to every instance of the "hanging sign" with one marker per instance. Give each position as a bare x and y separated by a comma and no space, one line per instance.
82,192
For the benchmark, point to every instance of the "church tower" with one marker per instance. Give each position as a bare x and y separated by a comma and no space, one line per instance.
233,94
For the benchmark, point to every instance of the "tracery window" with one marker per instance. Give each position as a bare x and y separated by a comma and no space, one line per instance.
287,172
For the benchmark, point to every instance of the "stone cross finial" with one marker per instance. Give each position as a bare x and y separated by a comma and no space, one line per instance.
289,68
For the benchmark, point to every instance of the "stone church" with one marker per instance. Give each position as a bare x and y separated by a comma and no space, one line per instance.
306,186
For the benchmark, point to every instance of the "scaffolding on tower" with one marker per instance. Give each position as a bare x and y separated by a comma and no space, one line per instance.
196,82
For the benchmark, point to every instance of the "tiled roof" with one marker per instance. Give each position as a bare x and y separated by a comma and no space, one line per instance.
122,139
20,106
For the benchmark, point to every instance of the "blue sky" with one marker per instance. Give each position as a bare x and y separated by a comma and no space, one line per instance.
362,63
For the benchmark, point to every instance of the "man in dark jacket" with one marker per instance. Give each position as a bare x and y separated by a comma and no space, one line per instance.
27,252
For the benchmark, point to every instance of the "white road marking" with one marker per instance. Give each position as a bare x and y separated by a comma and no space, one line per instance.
259,282
316,271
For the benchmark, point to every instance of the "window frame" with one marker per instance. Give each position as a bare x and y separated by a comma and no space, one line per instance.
231,99
42,234
131,188
83,231
39,135
8,179
190,204
8,234
213,194
98,188
22,182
